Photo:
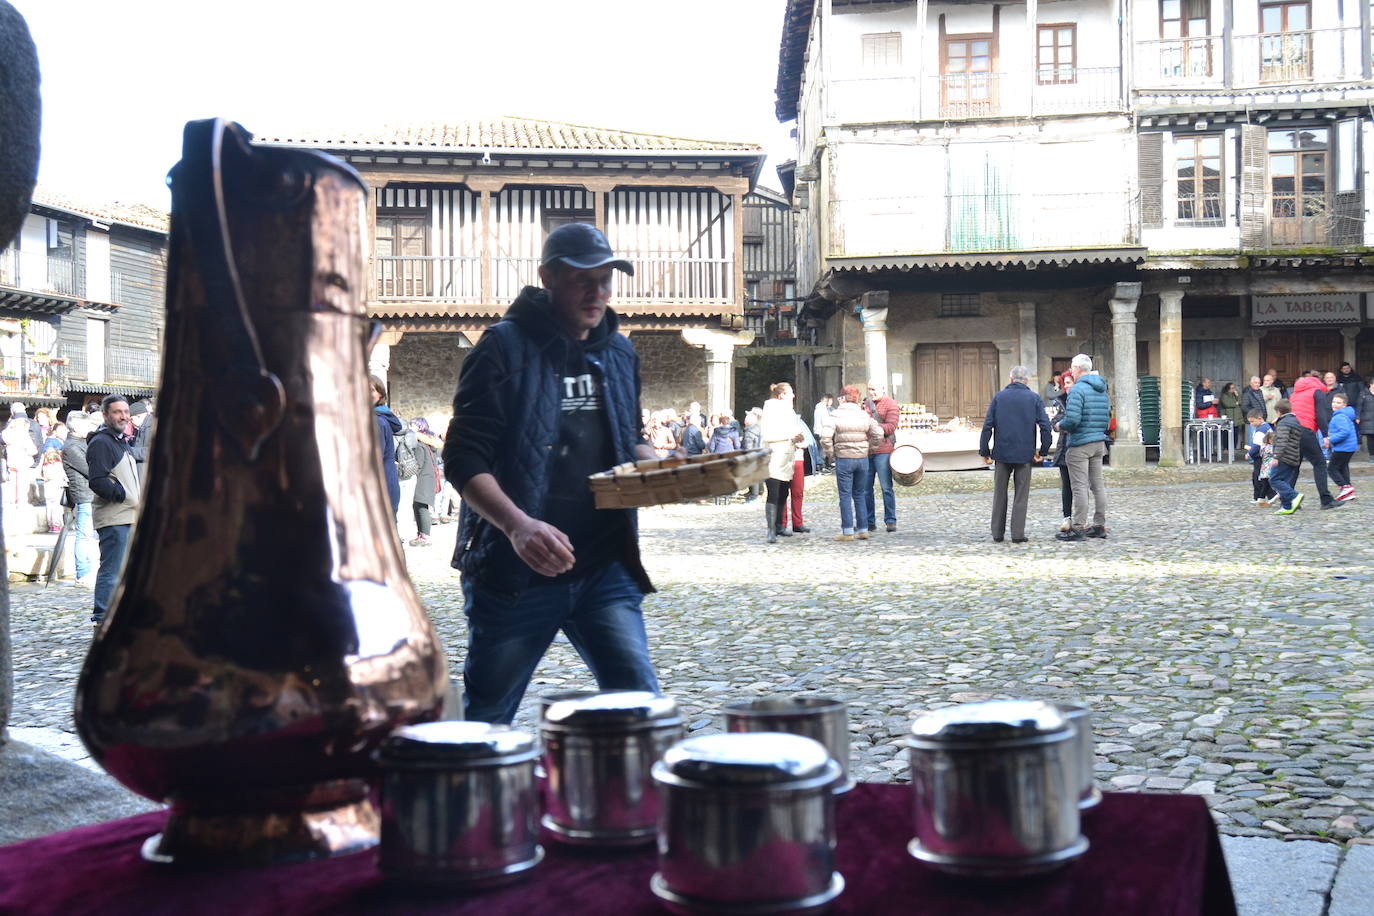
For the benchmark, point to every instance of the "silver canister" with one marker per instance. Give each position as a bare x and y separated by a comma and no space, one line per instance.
995,788
748,825
818,718
1081,718
598,753
459,804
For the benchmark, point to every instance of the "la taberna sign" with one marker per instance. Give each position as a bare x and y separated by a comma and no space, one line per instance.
1306,308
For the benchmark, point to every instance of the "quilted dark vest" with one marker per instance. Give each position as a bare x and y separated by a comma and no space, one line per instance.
534,393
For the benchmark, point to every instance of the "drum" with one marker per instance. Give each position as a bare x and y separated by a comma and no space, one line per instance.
907,464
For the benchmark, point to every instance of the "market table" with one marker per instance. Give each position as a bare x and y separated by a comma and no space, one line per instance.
1151,855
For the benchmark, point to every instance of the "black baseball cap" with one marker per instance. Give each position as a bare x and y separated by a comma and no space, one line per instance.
583,246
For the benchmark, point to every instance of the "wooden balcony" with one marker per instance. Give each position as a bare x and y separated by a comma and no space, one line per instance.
1054,91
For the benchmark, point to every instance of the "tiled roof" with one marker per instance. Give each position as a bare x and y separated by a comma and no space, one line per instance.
139,216
503,134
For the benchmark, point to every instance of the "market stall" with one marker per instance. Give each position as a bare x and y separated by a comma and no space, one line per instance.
951,445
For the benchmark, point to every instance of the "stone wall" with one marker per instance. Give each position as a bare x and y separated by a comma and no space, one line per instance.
672,372
424,374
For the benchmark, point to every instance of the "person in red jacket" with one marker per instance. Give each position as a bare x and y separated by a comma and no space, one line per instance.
887,414
1304,400
1306,390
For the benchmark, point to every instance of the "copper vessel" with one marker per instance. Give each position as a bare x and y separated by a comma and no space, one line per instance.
264,638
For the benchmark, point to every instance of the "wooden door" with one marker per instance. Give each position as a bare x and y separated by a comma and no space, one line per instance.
1293,352
1218,360
956,379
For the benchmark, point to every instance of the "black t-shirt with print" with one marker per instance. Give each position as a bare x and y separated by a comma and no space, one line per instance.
583,448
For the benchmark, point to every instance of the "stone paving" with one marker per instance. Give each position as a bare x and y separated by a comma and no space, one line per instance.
1225,652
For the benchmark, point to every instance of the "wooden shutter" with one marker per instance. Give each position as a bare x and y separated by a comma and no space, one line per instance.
1150,161
1347,201
1253,170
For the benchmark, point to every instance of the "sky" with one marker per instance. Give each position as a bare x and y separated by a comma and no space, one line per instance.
121,77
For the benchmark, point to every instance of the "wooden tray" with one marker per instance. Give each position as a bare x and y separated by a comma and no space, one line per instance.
661,481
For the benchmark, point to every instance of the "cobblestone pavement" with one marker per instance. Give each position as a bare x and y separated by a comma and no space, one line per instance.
1225,651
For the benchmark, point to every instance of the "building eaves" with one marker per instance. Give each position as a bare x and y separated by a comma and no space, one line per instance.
138,216
995,260
506,135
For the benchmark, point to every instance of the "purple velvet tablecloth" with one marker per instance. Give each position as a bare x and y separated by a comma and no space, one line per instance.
1154,855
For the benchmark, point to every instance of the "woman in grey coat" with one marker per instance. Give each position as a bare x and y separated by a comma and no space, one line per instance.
423,443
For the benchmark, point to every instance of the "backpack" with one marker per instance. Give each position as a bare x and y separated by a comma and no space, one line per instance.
407,465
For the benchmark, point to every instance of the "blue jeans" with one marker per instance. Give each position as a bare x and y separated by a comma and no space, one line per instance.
600,613
848,473
114,540
1282,479
87,547
880,467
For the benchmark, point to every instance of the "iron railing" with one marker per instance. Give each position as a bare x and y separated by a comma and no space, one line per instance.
130,364
990,222
1273,58
40,273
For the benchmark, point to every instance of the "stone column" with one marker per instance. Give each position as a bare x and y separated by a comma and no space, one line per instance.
1170,378
720,363
1030,343
1348,336
379,358
1125,388
1006,358
873,314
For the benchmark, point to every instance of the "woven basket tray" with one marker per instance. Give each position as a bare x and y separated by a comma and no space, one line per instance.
660,481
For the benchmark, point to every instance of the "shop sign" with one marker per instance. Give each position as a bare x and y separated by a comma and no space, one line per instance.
1306,308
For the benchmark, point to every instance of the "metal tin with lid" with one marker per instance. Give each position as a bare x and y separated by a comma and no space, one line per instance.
459,804
748,825
598,752
995,788
821,718
1081,718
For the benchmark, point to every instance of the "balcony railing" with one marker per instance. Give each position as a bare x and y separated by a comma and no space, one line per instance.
1275,58
1330,218
459,279
966,223
129,364
450,279
39,273
33,374
1068,90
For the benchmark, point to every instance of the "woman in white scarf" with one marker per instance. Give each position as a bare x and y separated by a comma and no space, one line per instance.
778,429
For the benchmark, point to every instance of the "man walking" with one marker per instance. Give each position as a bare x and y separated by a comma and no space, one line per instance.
1313,412
1087,414
79,426
114,480
1010,425
886,413
549,395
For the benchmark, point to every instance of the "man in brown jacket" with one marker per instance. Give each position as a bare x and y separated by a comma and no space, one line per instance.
886,413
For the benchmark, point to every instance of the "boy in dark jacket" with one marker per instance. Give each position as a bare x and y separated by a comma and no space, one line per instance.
1288,433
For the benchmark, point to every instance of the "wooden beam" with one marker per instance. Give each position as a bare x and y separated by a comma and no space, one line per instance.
371,276
380,178
737,226
488,282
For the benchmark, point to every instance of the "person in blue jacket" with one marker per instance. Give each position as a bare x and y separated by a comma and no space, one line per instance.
1009,438
1087,414
389,426
1344,443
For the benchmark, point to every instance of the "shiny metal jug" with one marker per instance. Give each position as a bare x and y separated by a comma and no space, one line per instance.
265,637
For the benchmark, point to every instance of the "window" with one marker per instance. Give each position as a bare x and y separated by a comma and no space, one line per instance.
882,51
555,218
961,305
1189,20
968,84
1286,45
1056,54
1297,171
1198,170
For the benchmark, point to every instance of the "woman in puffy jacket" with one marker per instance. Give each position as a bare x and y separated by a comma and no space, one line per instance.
849,438
723,438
